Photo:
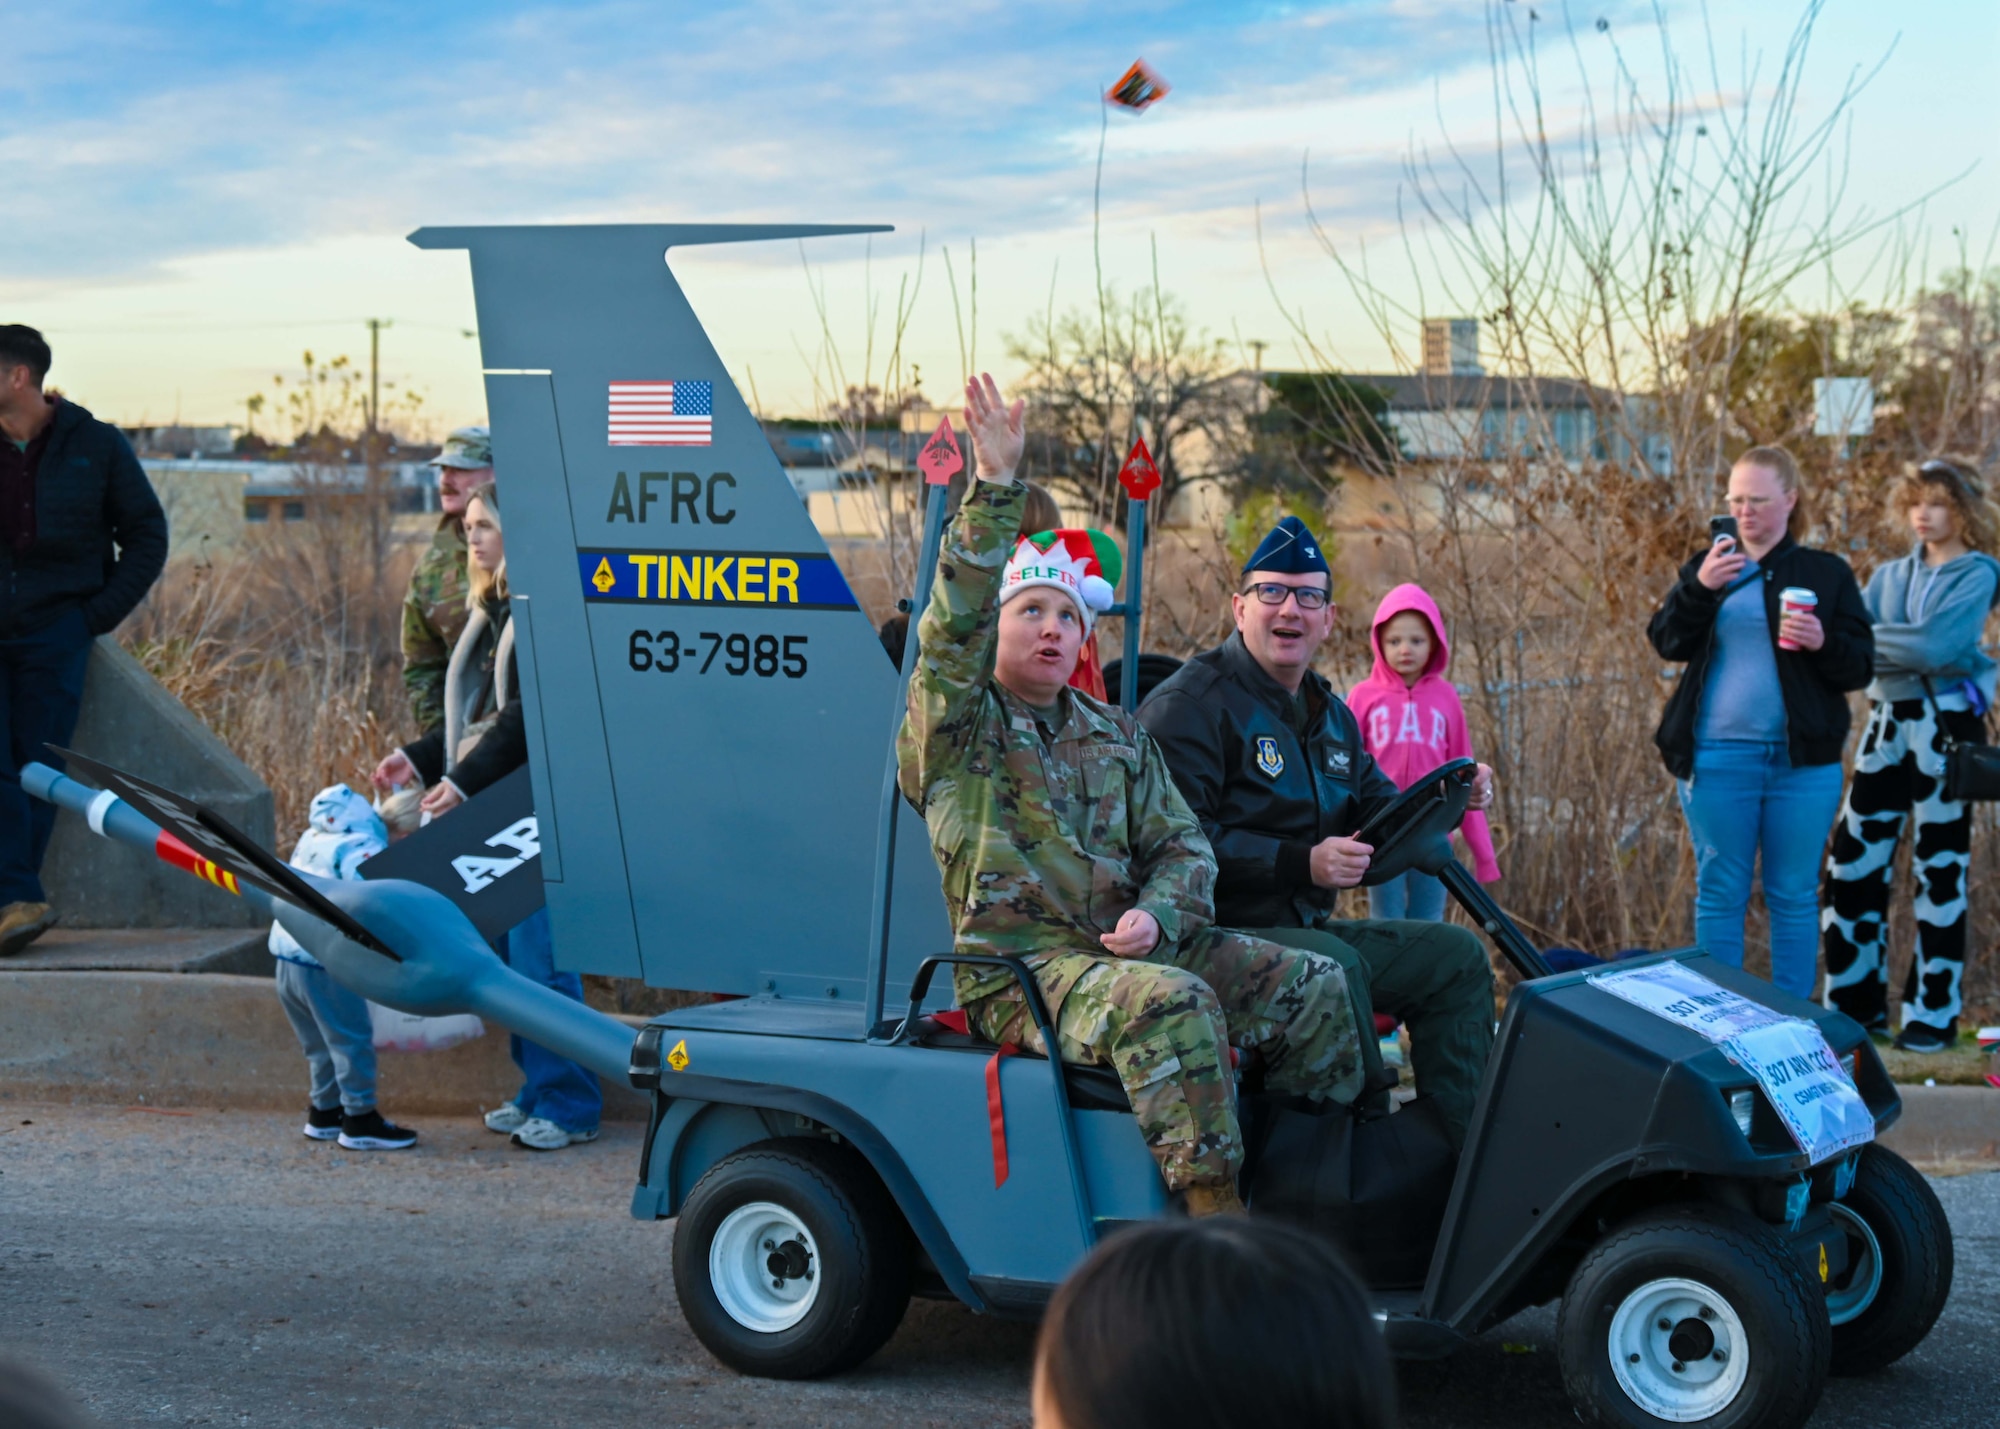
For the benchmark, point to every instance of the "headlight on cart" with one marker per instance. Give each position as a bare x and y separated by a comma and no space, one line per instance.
1743,1107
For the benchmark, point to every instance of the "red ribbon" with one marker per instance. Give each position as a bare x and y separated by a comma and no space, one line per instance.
996,1111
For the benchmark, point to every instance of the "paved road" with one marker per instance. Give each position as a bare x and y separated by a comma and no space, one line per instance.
219,1269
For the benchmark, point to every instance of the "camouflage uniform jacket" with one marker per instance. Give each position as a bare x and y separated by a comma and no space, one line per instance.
434,614
1046,838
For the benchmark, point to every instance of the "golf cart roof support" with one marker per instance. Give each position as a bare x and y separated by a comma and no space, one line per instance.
882,904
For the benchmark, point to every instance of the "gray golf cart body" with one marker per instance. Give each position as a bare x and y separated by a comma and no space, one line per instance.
712,763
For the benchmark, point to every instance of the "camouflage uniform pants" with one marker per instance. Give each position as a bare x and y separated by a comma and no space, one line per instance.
1164,1028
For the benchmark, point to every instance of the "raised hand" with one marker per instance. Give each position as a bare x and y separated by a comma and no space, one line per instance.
999,431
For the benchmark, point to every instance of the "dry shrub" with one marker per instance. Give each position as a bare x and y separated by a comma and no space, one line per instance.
290,652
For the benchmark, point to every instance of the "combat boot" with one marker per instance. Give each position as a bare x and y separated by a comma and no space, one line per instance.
22,923
1213,1201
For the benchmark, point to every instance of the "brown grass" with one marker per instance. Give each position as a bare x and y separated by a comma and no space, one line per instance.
291,655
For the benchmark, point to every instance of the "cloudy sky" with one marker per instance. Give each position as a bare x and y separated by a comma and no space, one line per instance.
197,192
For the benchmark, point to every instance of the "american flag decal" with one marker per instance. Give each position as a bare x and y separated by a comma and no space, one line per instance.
662,414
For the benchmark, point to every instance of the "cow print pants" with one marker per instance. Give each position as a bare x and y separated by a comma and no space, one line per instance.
1899,773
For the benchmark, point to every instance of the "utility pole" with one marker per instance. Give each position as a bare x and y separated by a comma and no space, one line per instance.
376,495
375,326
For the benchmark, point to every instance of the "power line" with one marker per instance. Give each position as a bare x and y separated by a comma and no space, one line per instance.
292,324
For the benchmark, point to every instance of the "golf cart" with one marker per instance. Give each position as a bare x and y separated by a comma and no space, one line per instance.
826,1155
1709,1271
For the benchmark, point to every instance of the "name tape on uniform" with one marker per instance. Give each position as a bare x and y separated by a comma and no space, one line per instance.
795,582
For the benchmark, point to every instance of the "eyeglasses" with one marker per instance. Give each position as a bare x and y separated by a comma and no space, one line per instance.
1951,474
1309,597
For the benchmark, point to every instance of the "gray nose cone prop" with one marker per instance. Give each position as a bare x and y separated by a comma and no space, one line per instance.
446,966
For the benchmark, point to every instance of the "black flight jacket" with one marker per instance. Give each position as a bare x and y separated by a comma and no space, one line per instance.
1263,795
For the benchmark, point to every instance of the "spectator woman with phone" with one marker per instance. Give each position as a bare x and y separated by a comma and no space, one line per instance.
1774,635
1933,684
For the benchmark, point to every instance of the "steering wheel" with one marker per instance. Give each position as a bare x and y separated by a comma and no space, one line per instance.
1413,830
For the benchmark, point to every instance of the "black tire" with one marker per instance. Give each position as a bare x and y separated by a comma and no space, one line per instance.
1906,1236
1747,1287
860,1257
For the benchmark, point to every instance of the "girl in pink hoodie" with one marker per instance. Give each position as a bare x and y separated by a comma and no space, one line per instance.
1412,722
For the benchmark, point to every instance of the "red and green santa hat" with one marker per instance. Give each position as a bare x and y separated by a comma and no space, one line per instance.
1084,565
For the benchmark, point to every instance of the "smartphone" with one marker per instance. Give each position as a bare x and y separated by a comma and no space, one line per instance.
1720,526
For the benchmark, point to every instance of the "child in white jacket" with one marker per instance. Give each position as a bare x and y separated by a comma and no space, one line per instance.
332,1023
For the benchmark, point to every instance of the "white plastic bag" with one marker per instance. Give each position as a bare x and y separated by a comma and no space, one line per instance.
405,1032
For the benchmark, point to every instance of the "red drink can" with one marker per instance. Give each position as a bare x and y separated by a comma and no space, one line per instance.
1795,600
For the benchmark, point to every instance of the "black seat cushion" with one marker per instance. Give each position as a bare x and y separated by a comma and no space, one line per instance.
1090,1088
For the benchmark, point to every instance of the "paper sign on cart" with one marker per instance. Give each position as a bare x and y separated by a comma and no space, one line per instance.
1680,994
1790,1058
1807,1084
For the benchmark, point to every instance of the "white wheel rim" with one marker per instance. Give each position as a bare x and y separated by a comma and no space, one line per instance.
1864,1268
1657,1350
764,1267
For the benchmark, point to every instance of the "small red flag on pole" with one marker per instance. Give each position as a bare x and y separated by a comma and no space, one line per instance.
940,459
1139,476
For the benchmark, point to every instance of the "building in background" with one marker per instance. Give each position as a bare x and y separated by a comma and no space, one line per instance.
182,443
1451,347
214,505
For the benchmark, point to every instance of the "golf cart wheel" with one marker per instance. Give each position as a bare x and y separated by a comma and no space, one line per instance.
1694,1315
791,1261
1899,1264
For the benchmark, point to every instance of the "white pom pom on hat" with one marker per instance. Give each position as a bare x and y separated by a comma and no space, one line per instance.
1083,564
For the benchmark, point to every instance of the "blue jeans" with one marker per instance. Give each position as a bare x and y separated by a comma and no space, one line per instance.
1745,798
1408,895
335,1030
553,1088
41,694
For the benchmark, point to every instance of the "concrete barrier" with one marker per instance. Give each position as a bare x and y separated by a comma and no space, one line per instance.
214,1040
1944,1126
130,721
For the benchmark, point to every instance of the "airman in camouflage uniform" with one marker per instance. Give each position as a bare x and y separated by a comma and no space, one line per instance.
434,608
1050,826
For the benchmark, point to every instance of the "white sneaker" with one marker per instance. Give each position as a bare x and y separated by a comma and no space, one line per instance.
538,1133
506,1117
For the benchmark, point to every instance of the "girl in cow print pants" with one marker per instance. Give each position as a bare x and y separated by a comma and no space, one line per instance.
1932,685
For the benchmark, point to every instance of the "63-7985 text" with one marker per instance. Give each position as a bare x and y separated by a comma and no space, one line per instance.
667,652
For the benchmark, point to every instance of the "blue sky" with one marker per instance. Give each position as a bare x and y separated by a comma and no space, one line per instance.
199,190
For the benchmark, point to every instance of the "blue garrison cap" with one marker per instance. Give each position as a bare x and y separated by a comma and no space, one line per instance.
1290,550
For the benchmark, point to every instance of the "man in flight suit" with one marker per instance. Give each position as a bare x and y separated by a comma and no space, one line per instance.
1271,761
1063,842
434,607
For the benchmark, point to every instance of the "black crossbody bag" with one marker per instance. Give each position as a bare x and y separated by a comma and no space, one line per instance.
1971,766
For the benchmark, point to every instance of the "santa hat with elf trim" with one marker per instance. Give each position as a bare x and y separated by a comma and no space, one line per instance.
1084,565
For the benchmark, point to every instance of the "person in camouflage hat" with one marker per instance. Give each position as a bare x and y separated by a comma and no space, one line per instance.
434,608
1064,842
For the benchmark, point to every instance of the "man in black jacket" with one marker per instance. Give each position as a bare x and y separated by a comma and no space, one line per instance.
82,539
1271,762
